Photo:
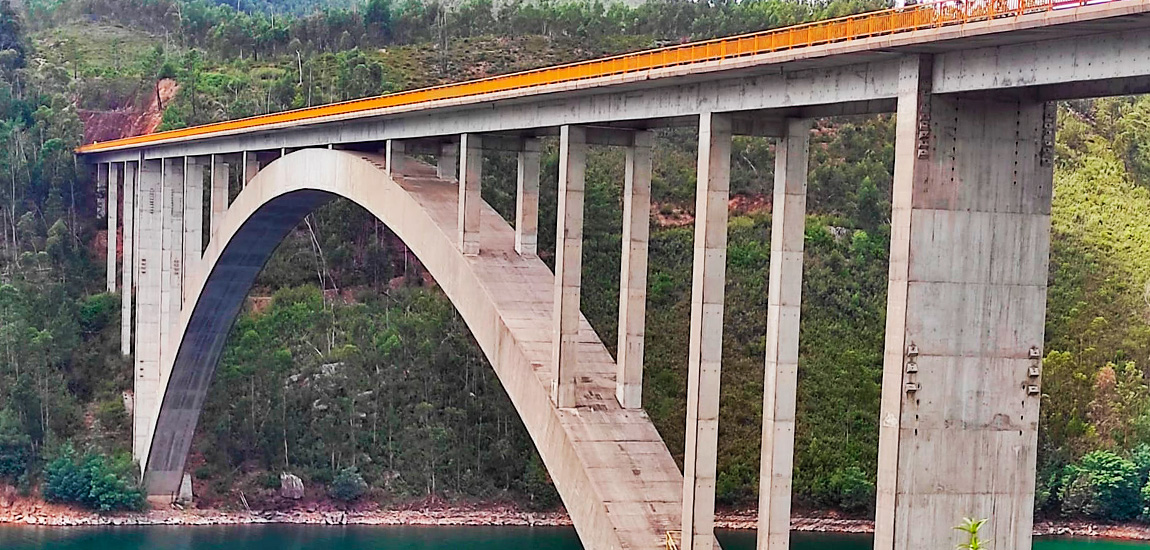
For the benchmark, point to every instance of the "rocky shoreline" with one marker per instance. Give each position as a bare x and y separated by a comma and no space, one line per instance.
42,514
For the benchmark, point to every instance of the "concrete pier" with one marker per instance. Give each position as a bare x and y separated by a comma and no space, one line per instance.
780,383
970,243
704,359
147,370
193,219
251,166
527,199
394,153
129,260
172,255
115,177
220,177
633,271
568,265
470,196
447,164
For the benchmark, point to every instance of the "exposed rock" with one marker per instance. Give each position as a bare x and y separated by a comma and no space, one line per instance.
291,486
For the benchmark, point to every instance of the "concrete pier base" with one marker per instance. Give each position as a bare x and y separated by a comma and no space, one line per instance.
781,375
970,241
705,355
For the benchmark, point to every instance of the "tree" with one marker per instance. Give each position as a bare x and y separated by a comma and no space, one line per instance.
348,486
15,446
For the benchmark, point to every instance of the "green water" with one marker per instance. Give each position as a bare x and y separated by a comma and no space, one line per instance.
292,537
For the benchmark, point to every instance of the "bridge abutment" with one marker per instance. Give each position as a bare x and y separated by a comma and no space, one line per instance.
965,317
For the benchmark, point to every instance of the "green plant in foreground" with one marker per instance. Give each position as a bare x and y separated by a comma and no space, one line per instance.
970,527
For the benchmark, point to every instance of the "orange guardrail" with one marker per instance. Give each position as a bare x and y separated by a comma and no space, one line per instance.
852,27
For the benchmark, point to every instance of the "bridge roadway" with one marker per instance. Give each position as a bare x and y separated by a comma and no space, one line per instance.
972,85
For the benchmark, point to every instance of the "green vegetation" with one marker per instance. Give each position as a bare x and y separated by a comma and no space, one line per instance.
350,369
971,527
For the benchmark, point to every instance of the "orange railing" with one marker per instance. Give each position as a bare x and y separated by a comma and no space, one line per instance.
853,27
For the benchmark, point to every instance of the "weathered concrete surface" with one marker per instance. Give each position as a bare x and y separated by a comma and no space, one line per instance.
781,375
633,271
705,355
970,242
147,363
613,471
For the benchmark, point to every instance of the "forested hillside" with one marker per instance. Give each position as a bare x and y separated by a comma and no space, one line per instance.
347,355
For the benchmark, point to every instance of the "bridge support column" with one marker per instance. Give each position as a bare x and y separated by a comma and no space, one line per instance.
704,360
251,167
147,369
527,200
788,221
220,176
633,271
448,161
970,236
568,265
129,260
193,218
172,256
470,196
393,157
115,176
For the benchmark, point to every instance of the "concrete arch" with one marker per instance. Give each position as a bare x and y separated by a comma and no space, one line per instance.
612,469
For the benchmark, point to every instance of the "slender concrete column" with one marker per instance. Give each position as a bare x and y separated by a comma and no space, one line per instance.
193,218
172,255
394,157
470,198
568,266
782,364
448,161
149,243
970,238
251,166
115,179
128,262
527,200
633,272
102,190
220,177
704,360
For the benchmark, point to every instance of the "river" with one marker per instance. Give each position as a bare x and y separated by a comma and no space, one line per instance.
296,537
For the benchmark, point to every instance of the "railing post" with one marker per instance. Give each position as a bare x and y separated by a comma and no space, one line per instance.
704,359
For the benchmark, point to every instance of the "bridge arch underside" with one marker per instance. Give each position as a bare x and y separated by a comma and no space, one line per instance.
614,473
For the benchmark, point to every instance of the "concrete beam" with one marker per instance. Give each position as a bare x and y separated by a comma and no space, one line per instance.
147,365
114,174
568,266
705,355
129,259
970,238
784,299
220,178
633,271
527,199
470,195
193,218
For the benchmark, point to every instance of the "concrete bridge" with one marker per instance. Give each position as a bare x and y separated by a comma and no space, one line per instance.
972,85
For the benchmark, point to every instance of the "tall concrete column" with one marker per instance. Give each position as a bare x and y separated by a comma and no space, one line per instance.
193,218
780,383
527,200
251,162
470,197
115,174
970,238
568,265
394,157
147,363
448,161
172,254
220,176
704,360
102,190
129,260
633,272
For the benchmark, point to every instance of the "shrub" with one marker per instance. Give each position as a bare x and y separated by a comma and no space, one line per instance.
92,480
347,486
1102,485
854,490
15,446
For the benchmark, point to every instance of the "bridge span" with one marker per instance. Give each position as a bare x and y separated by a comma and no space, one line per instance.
972,84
